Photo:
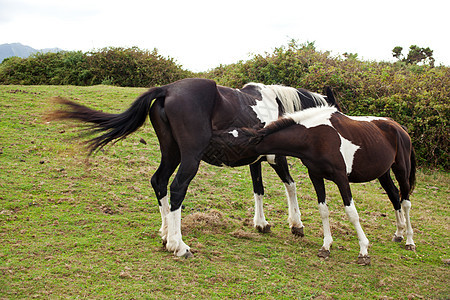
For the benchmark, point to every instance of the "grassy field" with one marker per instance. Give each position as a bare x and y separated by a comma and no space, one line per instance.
72,227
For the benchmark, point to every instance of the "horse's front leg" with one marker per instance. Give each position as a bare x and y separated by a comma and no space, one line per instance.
295,221
259,220
352,214
280,166
363,258
319,186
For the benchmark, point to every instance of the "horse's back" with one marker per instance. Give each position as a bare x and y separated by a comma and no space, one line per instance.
379,141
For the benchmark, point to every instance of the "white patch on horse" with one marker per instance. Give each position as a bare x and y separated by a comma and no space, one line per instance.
401,225
366,118
348,150
313,117
164,209
294,212
324,215
406,207
234,133
271,159
353,216
175,243
266,109
259,220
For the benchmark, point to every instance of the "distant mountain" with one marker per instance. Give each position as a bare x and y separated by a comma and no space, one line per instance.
17,49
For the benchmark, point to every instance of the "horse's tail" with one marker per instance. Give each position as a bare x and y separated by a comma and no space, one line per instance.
113,126
412,173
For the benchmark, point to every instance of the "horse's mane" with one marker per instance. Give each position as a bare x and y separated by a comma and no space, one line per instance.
276,126
291,99
318,114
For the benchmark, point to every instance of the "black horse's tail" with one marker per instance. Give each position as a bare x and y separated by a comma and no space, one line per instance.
412,173
113,126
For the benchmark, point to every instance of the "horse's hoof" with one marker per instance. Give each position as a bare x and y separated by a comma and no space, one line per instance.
265,229
187,254
323,253
164,243
397,239
298,231
410,247
364,260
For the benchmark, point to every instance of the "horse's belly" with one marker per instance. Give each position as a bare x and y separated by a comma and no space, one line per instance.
226,156
368,171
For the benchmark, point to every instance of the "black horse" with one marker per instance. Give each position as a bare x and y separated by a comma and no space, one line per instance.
184,114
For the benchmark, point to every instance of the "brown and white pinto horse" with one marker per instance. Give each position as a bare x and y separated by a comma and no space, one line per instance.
342,149
184,115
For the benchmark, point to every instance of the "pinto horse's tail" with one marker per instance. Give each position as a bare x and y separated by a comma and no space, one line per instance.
113,126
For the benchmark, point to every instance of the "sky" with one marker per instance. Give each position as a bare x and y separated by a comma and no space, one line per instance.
201,35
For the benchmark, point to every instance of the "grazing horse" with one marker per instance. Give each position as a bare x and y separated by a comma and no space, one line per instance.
184,114
342,149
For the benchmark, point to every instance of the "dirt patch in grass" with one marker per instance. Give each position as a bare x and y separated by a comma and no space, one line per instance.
243,234
210,222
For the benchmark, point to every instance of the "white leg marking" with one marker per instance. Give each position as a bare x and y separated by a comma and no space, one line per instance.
406,206
259,220
324,214
174,242
271,159
164,210
400,218
354,218
294,212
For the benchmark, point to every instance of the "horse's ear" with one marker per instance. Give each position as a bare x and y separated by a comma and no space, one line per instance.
255,137
331,97
255,140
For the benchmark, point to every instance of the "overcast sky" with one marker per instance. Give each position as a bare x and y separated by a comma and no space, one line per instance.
202,34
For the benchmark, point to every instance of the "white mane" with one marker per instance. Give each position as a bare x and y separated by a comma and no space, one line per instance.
317,98
288,96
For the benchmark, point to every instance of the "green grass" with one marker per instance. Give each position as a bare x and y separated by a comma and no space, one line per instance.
77,228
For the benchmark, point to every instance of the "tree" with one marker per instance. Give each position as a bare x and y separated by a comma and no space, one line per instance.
415,55
397,52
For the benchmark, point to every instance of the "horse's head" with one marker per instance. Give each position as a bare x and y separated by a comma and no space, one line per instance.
235,143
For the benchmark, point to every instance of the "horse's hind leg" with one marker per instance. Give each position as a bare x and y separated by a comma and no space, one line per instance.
186,172
403,182
159,183
280,166
393,194
170,159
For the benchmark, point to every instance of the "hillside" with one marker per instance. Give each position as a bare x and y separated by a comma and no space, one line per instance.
23,51
72,227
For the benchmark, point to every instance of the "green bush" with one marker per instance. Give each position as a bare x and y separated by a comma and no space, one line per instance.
132,67
114,66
